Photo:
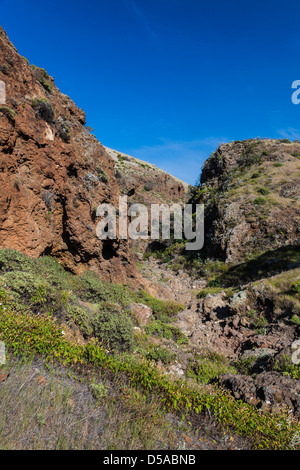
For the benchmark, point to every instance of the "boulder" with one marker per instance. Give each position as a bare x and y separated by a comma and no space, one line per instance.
141,312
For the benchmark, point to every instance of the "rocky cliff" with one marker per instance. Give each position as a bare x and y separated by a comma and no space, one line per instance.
54,174
145,183
251,192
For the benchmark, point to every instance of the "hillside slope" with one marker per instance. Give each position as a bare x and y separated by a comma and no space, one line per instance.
54,174
251,192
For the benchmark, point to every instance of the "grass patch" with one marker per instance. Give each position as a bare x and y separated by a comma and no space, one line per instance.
8,112
42,286
265,265
208,366
28,335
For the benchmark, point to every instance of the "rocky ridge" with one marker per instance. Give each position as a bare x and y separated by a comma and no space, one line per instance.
54,174
251,192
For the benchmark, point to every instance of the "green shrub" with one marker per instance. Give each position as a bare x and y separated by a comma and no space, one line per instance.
29,335
82,318
8,112
92,289
43,77
158,353
162,330
43,109
99,390
102,175
23,284
209,366
209,290
162,309
263,191
245,365
295,319
113,328
12,260
259,201
295,287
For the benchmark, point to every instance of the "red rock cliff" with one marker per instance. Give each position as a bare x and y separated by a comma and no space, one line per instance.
53,174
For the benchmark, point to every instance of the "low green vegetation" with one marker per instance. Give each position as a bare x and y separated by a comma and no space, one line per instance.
8,112
56,408
208,366
43,77
259,200
160,329
43,109
260,266
39,303
160,353
26,334
100,309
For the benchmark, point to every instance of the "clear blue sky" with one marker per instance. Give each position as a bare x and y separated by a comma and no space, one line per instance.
168,80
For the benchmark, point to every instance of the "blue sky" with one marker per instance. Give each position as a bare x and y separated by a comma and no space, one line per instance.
168,80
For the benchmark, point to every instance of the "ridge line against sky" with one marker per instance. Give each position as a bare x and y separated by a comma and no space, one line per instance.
168,80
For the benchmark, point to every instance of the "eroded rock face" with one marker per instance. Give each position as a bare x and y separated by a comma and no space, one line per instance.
251,192
145,183
142,313
267,390
53,175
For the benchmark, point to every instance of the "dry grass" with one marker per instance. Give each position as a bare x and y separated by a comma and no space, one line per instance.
40,409
50,410
280,290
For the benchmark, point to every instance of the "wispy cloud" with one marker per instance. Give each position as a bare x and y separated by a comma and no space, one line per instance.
141,17
290,133
182,159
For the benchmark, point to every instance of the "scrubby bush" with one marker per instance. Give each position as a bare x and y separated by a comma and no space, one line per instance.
43,77
163,330
43,109
162,309
259,201
113,328
296,320
8,112
263,191
295,287
92,289
81,317
208,366
63,129
12,260
159,353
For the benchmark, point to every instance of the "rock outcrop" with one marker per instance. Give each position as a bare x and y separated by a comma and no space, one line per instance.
251,192
54,174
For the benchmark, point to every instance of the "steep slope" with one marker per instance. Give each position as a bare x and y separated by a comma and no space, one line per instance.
54,174
246,302
145,183
251,192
